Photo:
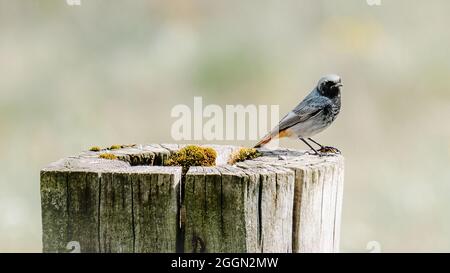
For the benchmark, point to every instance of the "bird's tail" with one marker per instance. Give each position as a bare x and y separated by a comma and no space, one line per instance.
264,141
274,134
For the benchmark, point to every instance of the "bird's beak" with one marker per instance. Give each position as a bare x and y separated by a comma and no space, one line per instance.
338,85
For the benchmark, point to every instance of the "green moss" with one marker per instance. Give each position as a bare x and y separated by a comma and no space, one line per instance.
192,156
243,154
95,149
115,147
108,156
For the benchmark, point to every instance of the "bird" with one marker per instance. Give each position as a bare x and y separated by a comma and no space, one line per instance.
312,115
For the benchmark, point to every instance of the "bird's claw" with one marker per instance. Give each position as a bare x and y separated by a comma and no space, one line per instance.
324,151
328,149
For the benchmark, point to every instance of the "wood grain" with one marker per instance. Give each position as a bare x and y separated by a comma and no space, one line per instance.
284,201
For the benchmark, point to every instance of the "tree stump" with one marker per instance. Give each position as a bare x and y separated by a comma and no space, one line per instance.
283,201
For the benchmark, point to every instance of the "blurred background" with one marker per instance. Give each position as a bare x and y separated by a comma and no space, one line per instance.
107,72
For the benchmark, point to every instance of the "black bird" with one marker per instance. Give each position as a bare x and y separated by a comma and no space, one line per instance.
311,116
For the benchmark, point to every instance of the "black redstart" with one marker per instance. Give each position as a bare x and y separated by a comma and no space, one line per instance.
311,116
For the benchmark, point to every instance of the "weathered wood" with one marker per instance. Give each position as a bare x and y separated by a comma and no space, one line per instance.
155,209
284,201
70,202
278,212
317,199
231,209
54,211
83,209
116,215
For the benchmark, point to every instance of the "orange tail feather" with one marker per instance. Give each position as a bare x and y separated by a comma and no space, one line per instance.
263,141
269,137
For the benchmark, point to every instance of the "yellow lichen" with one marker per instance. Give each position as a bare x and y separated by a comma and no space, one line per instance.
192,156
115,147
95,149
243,154
108,156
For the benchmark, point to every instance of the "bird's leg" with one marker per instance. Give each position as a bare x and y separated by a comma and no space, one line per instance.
315,151
321,146
325,149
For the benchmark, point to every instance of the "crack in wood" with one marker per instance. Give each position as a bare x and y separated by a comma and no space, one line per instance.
270,204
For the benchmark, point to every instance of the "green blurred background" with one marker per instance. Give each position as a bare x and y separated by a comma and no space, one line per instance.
110,71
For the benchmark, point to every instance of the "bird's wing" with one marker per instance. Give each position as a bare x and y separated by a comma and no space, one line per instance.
307,109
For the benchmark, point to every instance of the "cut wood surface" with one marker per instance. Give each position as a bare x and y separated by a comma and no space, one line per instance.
284,201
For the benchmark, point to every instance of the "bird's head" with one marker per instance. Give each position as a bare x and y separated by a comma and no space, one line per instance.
330,86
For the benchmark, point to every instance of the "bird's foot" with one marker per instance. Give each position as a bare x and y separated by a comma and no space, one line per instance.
329,150
324,151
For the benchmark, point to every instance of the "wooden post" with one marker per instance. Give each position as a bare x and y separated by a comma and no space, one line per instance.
284,201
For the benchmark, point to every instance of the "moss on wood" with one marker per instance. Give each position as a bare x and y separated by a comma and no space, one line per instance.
243,154
108,156
192,156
